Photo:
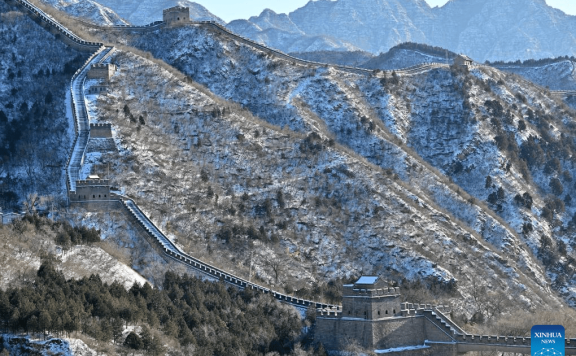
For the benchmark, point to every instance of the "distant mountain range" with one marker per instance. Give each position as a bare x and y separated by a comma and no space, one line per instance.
482,29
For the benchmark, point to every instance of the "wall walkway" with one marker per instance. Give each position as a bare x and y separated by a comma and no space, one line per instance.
465,342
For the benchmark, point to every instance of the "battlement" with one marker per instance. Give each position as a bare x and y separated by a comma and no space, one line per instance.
92,189
351,289
329,313
408,309
92,182
101,71
176,14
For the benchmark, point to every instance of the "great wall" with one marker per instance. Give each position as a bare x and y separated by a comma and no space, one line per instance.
371,314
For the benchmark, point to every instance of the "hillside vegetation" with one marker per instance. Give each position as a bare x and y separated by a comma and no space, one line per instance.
35,132
296,175
315,189
183,317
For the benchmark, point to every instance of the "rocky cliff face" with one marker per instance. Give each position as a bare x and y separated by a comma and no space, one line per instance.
89,10
485,30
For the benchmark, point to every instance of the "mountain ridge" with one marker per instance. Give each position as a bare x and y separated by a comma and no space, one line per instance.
484,30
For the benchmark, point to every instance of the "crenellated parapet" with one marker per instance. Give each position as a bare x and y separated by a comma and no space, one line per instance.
329,313
414,308
92,182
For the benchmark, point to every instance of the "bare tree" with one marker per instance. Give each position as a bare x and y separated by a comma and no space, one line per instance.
31,203
276,265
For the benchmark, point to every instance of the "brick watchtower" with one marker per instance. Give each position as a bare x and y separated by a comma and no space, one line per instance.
176,15
374,318
370,298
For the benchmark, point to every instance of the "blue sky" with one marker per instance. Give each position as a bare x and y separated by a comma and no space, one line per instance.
230,10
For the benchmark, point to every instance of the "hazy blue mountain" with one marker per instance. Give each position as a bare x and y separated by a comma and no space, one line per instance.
483,29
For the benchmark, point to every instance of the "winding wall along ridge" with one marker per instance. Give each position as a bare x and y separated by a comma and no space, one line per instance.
76,159
225,31
465,342
47,21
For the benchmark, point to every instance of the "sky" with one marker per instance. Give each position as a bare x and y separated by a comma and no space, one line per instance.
230,10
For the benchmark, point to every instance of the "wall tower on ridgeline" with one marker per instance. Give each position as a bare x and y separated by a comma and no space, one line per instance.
176,15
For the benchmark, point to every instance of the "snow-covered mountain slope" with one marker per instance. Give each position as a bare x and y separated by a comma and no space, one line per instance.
26,244
345,58
258,180
89,10
35,129
482,29
556,75
139,12
25,345
407,55
289,41
298,208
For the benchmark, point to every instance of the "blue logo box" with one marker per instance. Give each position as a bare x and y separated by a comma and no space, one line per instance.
548,340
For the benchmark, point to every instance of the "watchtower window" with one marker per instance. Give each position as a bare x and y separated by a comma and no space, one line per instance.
378,312
386,312
394,311
349,312
178,19
99,196
94,196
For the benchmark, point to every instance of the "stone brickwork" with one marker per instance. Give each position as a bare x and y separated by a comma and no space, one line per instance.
103,71
90,190
370,304
101,130
98,88
374,318
176,15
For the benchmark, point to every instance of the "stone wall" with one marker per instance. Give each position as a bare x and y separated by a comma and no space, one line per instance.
100,130
98,88
101,71
91,190
98,206
337,333
398,332
370,308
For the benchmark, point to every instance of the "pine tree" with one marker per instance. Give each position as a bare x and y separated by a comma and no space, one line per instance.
146,338
44,322
117,329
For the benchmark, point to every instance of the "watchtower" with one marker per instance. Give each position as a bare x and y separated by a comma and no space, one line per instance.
463,60
370,298
176,15
92,189
101,71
